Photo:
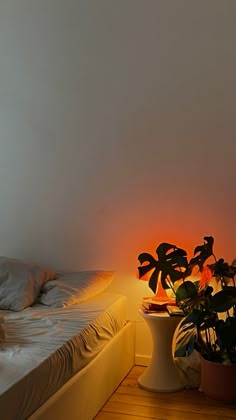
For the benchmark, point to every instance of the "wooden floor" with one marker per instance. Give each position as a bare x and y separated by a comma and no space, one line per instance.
131,402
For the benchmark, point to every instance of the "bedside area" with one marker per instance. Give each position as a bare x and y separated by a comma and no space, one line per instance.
161,374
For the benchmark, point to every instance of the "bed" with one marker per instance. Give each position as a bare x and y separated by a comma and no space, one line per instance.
64,362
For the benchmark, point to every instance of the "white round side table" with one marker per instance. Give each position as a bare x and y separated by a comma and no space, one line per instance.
161,375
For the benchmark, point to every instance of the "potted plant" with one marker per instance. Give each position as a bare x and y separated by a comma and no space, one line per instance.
170,266
209,323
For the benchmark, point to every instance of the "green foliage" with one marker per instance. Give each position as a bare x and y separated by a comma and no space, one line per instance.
211,318
186,291
171,265
185,341
202,252
209,324
223,300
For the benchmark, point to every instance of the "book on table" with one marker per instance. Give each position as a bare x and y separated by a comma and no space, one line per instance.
149,305
174,310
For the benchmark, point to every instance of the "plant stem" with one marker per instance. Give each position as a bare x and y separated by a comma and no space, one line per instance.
171,286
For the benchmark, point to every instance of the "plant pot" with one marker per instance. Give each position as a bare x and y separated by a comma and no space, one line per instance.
218,381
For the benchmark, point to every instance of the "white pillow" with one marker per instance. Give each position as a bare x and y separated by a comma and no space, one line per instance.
20,283
74,287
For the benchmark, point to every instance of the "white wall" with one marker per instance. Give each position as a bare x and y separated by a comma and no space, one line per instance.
117,130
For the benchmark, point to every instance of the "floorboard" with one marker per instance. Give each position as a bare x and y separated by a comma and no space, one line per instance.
131,402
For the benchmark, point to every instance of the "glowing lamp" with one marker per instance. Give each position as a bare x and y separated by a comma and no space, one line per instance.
161,296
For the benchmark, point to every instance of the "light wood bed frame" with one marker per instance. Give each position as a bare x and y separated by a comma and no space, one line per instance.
85,393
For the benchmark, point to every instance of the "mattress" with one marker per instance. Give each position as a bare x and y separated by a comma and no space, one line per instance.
45,347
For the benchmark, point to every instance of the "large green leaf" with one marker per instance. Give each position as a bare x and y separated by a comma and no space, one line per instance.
185,339
185,291
146,258
202,252
223,300
171,265
153,280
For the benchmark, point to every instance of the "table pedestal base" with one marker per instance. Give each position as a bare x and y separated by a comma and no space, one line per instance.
161,375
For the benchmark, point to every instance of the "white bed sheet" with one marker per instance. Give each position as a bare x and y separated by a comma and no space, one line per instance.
45,347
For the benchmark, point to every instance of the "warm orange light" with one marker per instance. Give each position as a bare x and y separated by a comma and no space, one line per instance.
145,277
161,297
205,277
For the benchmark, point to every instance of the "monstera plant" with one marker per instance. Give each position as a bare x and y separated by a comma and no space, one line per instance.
209,322
204,327
170,266
210,318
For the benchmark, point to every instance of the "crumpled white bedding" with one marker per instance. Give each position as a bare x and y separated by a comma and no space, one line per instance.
45,347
